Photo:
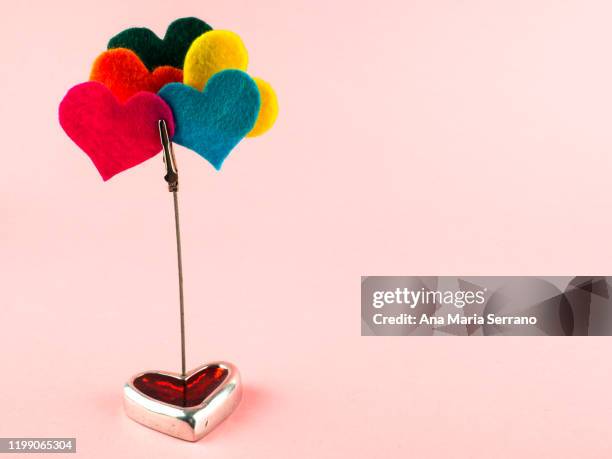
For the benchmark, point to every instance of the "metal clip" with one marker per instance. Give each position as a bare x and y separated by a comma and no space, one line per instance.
171,171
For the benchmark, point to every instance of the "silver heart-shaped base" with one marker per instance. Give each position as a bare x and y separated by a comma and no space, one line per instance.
183,419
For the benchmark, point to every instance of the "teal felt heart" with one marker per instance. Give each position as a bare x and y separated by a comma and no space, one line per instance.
155,52
214,121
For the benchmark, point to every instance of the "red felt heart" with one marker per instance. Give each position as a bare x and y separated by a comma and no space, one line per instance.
122,71
116,136
181,392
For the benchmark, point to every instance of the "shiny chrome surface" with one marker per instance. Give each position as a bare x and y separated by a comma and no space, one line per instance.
190,423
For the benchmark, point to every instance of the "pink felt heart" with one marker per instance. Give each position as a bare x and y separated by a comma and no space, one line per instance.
116,136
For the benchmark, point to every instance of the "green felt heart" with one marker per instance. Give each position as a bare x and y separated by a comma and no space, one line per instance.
155,52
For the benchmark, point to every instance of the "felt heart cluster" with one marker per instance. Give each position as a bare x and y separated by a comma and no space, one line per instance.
194,78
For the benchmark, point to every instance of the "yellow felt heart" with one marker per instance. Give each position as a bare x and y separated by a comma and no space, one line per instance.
219,50
210,53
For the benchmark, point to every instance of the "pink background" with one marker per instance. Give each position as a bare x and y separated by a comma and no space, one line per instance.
415,137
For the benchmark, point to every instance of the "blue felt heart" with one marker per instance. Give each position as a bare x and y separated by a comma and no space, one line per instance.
214,121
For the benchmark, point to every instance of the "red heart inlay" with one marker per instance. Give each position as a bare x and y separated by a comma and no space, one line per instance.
116,136
182,392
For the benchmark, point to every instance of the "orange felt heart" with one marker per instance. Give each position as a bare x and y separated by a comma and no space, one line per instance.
122,71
